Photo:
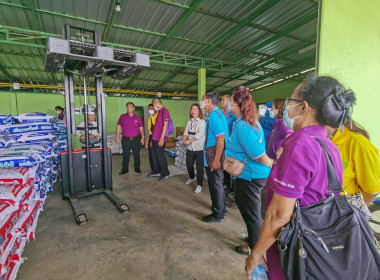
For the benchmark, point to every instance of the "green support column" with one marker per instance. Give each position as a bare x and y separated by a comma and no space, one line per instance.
348,51
201,83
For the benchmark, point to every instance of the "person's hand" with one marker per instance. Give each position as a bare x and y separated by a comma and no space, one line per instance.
142,141
117,140
251,262
215,165
187,142
161,143
98,137
146,144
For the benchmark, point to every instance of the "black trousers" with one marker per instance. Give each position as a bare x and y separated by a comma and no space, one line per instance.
191,158
150,152
159,160
128,144
215,185
228,181
248,199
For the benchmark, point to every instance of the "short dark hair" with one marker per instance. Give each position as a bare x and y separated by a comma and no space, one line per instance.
158,99
227,95
200,113
131,104
213,96
329,98
59,108
150,105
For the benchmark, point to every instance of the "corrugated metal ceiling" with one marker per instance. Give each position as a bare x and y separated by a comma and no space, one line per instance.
149,24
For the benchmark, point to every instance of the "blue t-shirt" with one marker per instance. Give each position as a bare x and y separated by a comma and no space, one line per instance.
266,124
230,120
248,143
217,126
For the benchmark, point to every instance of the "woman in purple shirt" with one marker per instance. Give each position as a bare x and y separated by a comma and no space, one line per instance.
279,131
300,172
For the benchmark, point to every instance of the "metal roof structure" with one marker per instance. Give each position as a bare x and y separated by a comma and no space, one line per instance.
251,42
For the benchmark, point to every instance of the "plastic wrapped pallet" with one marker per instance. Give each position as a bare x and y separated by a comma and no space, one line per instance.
111,143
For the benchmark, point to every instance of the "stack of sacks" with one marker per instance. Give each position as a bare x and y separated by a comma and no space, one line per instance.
6,119
111,143
62,135
19,211
29,155
180,149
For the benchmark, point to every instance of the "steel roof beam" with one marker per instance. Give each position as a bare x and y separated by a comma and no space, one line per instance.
257,26
282,55
110,20
171,77
273,38
240,25
275,72
180,23
124,27
5,71
156,56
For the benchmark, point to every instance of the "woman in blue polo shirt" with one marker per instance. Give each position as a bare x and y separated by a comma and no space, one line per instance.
247,144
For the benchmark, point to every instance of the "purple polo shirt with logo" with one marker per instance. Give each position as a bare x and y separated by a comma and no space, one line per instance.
281,131
300,172
163,115
130,125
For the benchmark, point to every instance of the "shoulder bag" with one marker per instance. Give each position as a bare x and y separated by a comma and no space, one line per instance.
330,239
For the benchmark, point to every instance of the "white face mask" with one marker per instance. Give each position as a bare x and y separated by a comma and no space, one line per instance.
58,112
262,111
271,114
156,108
151,112
202,105
289,122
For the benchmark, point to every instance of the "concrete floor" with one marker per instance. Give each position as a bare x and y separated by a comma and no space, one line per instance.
162,237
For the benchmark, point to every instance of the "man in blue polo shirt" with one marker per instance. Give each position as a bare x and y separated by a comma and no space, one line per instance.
225,103
216,136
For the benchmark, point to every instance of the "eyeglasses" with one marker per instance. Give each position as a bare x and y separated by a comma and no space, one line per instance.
291,99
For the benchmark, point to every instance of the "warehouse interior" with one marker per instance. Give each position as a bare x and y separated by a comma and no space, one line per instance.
194,46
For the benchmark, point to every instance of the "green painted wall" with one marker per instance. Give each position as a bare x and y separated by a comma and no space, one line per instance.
17,103
280,90
349,51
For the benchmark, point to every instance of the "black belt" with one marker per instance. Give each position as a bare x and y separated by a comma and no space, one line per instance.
191,133
131,138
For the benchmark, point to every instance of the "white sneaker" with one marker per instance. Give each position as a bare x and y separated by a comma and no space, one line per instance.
189,181
198,189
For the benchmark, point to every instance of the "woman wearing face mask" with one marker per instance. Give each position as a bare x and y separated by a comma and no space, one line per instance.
247,144
194,138
361,164
300,173
61,113
279,131
148,142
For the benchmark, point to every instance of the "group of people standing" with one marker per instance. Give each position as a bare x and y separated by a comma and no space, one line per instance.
133,137
290,164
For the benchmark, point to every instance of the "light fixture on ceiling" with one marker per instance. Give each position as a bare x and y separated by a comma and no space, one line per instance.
117,6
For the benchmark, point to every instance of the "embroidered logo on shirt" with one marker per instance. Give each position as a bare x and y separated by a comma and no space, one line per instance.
284,184
229,116
339,247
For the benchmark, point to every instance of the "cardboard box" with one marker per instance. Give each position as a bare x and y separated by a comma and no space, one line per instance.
179,130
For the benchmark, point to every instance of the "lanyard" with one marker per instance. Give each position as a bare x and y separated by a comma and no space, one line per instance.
192,124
